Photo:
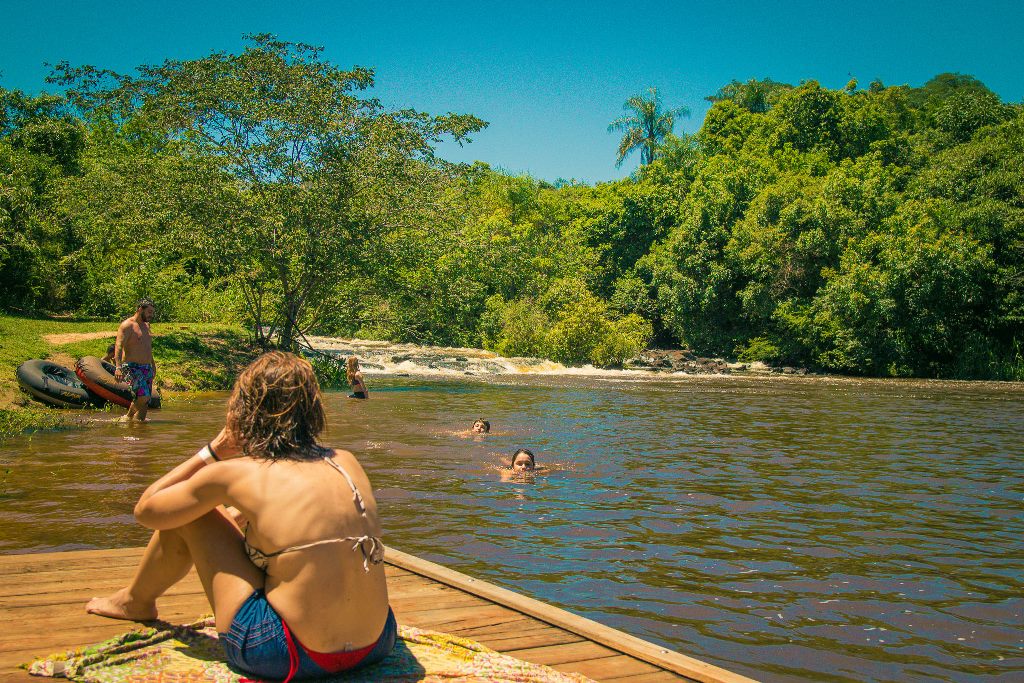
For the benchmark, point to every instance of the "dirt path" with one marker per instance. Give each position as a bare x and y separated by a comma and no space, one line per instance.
72,337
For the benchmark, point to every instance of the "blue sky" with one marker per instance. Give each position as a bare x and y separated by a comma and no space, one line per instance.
548,76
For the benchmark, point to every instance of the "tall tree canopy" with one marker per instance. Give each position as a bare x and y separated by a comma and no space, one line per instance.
870,231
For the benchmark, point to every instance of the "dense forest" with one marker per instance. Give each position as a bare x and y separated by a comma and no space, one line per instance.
875,230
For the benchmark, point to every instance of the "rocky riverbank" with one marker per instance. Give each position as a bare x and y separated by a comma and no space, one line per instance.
684,360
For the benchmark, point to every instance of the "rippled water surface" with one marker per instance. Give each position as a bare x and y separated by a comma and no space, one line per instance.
787,529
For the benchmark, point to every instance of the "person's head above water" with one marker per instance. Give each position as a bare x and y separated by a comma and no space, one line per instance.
523,460
481,426
275,411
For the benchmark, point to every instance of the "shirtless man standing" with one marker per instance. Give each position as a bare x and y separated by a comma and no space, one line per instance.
133,358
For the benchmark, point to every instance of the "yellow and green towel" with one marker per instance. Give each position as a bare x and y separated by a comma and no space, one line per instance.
191,652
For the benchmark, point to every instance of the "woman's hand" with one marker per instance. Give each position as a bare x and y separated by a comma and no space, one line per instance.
225,446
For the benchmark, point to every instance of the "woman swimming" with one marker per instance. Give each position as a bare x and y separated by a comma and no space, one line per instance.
522,466
355,378
300,593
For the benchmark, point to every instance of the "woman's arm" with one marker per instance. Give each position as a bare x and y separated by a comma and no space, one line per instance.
188,491
169,504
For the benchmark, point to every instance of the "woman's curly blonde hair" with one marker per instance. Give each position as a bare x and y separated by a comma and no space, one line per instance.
275,411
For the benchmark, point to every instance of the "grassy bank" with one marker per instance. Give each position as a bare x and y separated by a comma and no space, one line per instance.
189,357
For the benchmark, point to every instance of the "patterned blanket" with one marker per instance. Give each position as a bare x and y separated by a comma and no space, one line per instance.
191,653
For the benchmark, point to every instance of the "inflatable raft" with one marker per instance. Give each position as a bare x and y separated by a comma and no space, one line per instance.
54,385
98,377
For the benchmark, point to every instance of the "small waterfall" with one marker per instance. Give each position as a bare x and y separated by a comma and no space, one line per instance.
389,358
380,357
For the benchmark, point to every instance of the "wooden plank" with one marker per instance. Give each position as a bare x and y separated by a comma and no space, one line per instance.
660,676
563,654
608,667
448,619
518,623
32,562
514,641
73,603
45,614
623,642
419,585
509,629
52,627
411,604
71,596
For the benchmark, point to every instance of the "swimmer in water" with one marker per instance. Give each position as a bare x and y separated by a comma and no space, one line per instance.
524,463
355,378
479,428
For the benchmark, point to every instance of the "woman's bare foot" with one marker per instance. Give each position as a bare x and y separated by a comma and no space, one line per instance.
121,605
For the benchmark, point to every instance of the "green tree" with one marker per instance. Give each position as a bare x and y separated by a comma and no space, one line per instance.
810,117
306,172
754,95
40,144
644,126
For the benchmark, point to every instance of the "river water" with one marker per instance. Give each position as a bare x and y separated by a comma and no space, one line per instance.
784,528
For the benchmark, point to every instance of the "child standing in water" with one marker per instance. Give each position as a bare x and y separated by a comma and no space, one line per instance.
355,378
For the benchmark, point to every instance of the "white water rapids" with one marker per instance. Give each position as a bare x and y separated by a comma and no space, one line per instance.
388,358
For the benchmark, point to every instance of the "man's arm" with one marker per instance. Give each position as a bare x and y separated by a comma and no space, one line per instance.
152,356
119,352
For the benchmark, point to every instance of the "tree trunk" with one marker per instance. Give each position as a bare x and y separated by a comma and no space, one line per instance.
289,327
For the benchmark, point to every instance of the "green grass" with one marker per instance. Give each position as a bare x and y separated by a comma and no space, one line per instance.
189,357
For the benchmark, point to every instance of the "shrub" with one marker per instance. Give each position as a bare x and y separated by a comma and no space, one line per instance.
758,349
330,371
573,338
515,328
625,339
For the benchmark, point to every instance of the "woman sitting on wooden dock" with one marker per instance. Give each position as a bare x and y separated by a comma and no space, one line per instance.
301,591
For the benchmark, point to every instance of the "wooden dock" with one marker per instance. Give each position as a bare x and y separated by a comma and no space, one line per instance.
42,600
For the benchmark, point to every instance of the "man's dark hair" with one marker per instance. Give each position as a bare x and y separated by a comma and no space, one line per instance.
143,302
110,349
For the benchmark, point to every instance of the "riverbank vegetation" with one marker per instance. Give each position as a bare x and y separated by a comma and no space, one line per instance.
871,230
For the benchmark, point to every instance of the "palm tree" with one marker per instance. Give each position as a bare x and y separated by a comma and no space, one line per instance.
645,124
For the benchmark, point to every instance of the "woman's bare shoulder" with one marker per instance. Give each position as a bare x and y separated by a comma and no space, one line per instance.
346,459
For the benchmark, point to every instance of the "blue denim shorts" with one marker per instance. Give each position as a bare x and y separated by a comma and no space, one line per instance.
256,643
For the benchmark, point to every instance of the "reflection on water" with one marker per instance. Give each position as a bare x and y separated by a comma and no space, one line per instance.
817,529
